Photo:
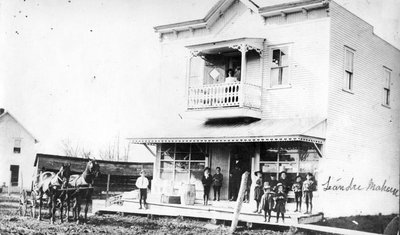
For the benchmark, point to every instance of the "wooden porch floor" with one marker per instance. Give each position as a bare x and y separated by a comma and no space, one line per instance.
216,210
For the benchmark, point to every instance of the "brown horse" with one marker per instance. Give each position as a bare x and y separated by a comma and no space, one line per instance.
51,185
83,185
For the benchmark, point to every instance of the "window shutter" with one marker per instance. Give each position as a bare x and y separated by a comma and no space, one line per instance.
196,71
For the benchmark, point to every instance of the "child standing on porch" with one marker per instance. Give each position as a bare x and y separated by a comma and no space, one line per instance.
217,183
280,199
308,188
296,187
142,183
267,202
206,181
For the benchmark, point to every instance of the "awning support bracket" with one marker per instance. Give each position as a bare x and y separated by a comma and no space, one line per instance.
317,149
151,151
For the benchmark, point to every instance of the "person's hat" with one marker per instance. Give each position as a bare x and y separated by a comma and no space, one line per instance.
256,172
279,184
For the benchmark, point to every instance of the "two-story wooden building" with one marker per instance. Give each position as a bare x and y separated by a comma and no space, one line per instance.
314,90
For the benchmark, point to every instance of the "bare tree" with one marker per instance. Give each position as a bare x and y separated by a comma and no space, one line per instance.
74,150
69,149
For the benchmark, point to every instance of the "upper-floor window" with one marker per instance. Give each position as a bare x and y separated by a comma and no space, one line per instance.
348,69
386,86
280,66
17,146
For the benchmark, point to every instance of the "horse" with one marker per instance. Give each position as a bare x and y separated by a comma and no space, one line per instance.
83,185
49,184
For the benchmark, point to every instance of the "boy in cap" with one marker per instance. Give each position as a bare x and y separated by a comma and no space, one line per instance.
280,199
267,202
308,188
296,187
142,183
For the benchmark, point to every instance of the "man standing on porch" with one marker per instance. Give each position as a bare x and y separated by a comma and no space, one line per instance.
142,183
235,181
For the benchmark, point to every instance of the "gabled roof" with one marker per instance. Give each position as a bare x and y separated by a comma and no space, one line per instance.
263,7
19,123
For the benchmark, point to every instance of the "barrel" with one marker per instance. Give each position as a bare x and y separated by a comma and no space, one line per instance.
188,194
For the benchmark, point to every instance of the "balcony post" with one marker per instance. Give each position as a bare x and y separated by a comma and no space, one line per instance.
243,50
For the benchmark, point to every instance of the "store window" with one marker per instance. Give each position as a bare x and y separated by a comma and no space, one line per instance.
279,66
386,87
183,162
295,158
348,69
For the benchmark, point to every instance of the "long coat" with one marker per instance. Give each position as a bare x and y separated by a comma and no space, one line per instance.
258,192
267,201
280,202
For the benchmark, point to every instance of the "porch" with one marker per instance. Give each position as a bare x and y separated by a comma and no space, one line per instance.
217,211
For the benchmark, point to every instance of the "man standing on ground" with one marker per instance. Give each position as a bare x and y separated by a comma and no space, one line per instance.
142,183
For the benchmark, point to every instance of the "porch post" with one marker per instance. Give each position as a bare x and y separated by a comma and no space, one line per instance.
243,50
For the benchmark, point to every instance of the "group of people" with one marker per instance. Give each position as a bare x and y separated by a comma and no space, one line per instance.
275,193
215,181
269,194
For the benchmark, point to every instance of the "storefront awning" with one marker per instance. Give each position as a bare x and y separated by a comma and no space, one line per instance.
184,131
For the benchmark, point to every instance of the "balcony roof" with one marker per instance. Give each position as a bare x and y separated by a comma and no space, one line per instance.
266,130
223,43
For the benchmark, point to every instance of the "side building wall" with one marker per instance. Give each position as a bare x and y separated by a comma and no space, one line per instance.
361,157
10,130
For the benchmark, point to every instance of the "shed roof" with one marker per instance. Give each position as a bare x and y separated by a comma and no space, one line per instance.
54,162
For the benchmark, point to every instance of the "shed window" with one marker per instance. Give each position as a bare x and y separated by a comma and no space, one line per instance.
17,146
348,69
279,66
386,87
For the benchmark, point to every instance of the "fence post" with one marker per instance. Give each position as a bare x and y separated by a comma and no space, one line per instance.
239,202
108,187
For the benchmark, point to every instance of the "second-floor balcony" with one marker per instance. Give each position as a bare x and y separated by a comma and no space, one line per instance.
224,95
225,79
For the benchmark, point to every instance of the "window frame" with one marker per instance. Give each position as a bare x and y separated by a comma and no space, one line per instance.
386,87
17,147
348,85
288,66
174,161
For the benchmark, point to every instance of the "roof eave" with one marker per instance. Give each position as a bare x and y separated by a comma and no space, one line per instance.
292,7
193,24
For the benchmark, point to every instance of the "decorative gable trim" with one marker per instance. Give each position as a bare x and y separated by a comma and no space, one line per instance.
221,6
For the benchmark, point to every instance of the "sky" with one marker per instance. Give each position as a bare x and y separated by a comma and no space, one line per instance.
86,71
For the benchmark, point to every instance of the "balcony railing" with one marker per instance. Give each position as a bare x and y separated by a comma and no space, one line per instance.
224,95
